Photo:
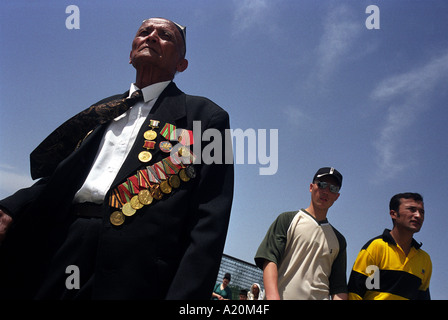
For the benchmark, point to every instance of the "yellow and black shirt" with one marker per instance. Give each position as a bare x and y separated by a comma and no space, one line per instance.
400,277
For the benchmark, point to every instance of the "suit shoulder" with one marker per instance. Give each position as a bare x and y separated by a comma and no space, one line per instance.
113,97
203,102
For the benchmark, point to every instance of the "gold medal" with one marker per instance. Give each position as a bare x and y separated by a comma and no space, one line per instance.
165,187
174,181
145,156
183,175
145,197
184,152
117,218
128,210
156,192
150,135
135,203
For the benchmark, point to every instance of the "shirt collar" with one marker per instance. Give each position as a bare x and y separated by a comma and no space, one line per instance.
321,222
150,92
387,237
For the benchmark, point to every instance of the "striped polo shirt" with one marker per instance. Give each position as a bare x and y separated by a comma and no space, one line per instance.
400,277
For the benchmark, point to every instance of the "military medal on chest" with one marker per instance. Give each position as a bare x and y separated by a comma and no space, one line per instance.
158,180
150,136
146,156
117,218
165,146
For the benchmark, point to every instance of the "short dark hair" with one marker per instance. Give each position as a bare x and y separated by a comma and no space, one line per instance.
395,201
227,276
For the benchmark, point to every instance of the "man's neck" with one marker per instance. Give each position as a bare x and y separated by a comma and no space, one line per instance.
146,78
402,238
319,215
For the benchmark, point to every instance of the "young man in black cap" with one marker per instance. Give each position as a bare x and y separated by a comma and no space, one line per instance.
302,255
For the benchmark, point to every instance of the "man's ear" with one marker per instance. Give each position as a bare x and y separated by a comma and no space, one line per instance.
182,65
393,214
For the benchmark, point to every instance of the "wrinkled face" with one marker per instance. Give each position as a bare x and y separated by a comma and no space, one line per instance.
410,215
158,44
323,198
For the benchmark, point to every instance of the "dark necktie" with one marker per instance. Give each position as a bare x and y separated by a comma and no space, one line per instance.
63,141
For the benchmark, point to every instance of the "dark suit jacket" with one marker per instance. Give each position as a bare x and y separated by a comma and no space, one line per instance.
170,249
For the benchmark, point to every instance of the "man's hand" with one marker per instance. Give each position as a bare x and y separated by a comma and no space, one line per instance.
340,296
5,223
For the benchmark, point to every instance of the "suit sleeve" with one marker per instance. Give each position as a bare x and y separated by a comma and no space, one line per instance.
15,204
210,205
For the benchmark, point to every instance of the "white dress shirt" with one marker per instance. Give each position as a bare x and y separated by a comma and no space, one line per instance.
116,144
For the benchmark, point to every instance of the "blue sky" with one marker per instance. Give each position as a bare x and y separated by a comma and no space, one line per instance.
370,103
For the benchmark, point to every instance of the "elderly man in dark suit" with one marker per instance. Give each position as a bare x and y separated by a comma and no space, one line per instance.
123,208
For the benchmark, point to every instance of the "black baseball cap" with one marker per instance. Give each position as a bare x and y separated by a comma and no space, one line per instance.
328,171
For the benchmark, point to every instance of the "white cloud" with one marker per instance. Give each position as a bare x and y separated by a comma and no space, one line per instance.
415,82
408,96
249,13
294,115
341,30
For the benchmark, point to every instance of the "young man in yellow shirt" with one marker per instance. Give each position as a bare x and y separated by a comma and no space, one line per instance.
392,266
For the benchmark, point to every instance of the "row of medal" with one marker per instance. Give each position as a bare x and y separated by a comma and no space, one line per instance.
169,132
153,182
